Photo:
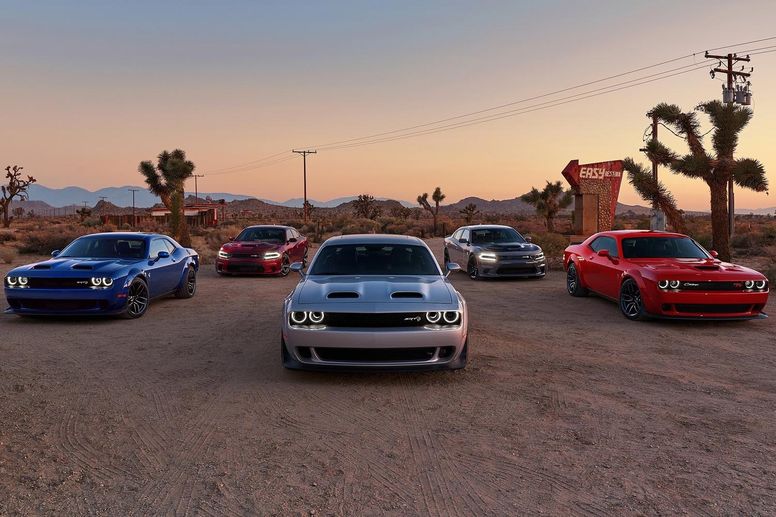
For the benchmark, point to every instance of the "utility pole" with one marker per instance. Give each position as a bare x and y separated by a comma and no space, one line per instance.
306,207
196,191
731,96
102,198
133,190
658,219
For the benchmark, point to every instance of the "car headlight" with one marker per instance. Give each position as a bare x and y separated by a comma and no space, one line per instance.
663,284
107,281
315,317
96,281
451,317
434,317
23,281
101,281
271,255
223,255
749,284
487,257
760,284
298,317
11,281
674,284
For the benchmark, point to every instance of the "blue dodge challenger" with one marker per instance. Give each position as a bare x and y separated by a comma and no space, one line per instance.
104,273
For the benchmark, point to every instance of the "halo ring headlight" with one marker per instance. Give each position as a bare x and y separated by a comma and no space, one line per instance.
749,284
451,316
674,284
12,280
760,284
298,317
315,317
663,284
23,280
433,316
96,281
107,281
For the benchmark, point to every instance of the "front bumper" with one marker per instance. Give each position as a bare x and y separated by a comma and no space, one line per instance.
248,266
696,305
66,302
512,268
415,348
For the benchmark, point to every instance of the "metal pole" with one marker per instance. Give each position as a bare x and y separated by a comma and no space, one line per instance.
305,207
134,220
731,199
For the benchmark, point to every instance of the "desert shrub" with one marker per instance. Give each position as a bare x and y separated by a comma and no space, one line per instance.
553,245
7,254
7,236
361,226
770,272
44,241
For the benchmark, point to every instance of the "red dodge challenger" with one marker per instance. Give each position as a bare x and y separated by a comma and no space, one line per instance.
262,250
663,275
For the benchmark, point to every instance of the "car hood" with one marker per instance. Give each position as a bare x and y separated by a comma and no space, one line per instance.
76,266
375,289
710,268
526,247
250,247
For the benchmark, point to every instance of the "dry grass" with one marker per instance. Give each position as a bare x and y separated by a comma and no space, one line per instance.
8,254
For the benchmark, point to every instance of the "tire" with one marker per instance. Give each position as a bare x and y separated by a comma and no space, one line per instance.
137,299
304,259
573,282
447,257
631,304
189,286
473,270
285,266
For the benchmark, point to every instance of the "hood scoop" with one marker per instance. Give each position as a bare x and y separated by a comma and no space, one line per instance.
406,294
41,266
342,294
709,267
83,267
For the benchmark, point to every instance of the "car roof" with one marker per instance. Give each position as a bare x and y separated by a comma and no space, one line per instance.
640,233
484,226
372,238
126,235
269,226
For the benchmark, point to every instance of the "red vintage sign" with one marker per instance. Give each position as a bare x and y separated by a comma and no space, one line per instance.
602,178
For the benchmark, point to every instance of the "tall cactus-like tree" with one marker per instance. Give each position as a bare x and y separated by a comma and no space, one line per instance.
715,169
167,180
469,212
16,187
437,197
549,201
650,189
366,207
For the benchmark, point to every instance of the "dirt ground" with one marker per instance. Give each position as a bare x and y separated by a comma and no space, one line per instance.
565,408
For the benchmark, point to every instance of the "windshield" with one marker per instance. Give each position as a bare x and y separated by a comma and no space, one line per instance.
495,235
662,247
374,259
105,247
263,234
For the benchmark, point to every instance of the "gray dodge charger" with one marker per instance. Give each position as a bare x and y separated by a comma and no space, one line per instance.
495,251
374,302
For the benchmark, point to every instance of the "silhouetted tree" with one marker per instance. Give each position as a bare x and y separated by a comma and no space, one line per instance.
650,189
401,212
83,213
469,212
715,170
15,188
437,197
167,180
366,207
549,201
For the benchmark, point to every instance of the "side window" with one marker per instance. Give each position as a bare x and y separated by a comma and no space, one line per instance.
170,246
157,245
612,245
457,235
465,235
606,243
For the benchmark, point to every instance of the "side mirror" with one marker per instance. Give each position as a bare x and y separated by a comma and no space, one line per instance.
464,241
714,253
163,254
57,252
528,238
292,239
298,267
452,267
232,238
603,253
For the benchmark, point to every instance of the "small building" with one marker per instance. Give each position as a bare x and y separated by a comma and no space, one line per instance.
197,214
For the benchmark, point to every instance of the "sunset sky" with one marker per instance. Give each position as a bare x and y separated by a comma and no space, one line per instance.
91,88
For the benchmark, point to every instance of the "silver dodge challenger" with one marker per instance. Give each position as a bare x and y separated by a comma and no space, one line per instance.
374,302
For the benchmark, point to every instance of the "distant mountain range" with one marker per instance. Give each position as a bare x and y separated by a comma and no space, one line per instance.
45,198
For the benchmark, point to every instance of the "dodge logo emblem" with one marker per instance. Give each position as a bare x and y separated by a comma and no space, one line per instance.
413,318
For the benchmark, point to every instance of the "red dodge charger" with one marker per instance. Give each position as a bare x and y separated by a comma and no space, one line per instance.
663,275
262,250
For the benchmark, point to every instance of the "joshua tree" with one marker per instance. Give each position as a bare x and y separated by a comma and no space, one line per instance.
715,170
166,180
437,197
549,201
366,207
18,212
401,212
655,192
16,188
83,213
469,212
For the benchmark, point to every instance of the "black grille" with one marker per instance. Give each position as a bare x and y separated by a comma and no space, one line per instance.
516,270
383,319
58,305
245,255
244,268
376,355
58,283
712,286
713,308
